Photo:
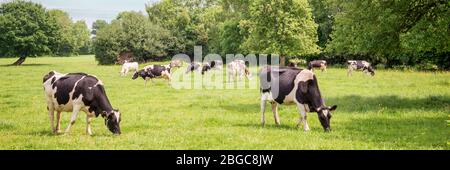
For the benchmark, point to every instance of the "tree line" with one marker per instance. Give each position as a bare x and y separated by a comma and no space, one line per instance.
399,33
27,29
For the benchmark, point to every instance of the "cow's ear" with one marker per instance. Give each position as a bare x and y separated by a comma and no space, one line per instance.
332,108
303,85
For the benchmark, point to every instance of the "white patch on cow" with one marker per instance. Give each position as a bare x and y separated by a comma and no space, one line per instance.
267,96
303,76
69,106
99,82
117,114
148,67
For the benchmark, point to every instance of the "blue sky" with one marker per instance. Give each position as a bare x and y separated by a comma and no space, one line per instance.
91,10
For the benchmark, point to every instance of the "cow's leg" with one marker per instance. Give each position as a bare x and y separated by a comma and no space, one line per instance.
51,115
88,124
146,80
263,110
58,122
349,72
76,109
275,113
302,111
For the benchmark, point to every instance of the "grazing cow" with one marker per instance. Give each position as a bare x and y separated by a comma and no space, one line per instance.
194,66
238,69
360,65
322,64
128,66
176,64
215,64
287,85
78,91
153,71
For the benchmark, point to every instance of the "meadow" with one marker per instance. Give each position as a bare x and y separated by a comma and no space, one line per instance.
393,110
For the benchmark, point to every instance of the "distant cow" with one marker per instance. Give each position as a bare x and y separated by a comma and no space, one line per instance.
129,66
78,91
176,64
285,85
322,64
153,71
360,65
194,66
215,64
238,69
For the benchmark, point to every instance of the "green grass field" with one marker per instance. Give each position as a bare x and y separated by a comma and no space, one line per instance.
393,110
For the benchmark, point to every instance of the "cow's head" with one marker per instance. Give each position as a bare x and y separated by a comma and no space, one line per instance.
141,73
112,121
324,114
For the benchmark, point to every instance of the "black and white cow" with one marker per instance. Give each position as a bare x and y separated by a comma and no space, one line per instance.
213,65
287,85
237,70
194,66
154,71
322,64
76,92
360,65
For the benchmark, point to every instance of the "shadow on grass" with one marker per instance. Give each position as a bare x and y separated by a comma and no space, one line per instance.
25,65
269,125
355,103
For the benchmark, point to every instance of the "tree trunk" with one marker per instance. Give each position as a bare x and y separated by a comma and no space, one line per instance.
19,61
282,61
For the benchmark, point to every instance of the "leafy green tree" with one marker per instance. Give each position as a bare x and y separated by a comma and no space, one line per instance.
82,36
130,32
283,27
323,16
97,25
25,30
391,32
64,41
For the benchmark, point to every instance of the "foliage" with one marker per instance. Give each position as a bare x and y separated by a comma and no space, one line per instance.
391,32
281,27
25,30
130,32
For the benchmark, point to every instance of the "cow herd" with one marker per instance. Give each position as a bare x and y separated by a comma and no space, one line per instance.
75,92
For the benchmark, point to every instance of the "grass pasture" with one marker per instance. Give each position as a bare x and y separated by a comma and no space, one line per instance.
393,110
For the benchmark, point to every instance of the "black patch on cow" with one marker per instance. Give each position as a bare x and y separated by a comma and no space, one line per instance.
286,84
308,93
64,86
286,78
205,68
53,80
47,76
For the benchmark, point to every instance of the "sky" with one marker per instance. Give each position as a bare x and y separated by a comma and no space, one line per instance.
91,10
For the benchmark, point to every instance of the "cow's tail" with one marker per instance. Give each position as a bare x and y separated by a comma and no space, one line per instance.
265,79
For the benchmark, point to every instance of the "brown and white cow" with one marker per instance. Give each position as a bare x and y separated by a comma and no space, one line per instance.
76,92
287,85
360,65
151,72
322,64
